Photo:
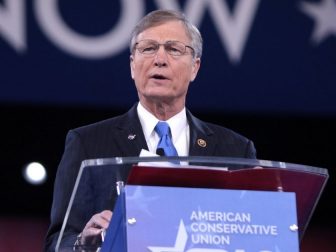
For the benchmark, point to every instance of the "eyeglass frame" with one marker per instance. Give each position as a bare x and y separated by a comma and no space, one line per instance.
164,46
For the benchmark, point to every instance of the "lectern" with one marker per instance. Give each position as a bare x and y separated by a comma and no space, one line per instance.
203,204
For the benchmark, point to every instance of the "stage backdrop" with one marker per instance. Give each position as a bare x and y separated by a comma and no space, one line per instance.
260,56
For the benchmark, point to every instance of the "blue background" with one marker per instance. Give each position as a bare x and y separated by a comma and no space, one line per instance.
281,70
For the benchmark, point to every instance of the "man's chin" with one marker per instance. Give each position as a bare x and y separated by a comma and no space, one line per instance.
160,97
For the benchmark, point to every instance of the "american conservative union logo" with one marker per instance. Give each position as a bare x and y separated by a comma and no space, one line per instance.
212,238
213,220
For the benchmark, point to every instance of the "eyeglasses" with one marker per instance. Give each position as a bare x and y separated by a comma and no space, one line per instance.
174,48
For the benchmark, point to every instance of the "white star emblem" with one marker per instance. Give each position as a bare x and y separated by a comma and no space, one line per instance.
324,15
181,241
142,201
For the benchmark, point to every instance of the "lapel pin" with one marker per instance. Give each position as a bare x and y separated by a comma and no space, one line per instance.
131,136
201,142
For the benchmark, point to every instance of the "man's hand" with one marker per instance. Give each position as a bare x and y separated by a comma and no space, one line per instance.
93,229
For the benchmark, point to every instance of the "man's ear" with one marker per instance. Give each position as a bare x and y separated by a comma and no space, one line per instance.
195,67
132,65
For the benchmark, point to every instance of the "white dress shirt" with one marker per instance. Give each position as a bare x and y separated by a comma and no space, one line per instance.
178,125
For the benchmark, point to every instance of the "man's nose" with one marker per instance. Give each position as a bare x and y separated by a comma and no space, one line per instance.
160,58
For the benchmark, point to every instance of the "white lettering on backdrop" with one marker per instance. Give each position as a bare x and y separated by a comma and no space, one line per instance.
233,28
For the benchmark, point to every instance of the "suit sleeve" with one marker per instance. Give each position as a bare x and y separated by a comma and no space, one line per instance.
66,176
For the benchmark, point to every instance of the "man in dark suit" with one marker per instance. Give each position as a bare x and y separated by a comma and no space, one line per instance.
165,57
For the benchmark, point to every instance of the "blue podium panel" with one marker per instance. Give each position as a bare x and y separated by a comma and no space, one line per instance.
161,219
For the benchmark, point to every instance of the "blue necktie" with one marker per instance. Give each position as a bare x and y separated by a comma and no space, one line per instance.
165,144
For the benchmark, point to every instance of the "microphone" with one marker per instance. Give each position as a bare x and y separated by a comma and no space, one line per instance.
160,151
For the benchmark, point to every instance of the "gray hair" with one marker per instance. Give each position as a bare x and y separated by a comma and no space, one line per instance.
159,17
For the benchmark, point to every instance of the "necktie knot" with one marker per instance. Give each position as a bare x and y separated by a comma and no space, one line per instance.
165,144
162,128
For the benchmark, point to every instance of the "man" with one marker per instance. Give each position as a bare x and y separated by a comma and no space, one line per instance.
165,57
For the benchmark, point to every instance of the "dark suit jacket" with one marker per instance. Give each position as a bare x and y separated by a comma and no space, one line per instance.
110,138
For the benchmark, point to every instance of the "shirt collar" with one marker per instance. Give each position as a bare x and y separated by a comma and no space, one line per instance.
177,123
148,122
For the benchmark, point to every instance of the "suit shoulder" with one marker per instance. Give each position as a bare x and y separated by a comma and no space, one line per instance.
108,125
228,134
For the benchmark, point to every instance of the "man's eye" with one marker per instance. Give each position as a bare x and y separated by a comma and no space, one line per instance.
148,49
174,49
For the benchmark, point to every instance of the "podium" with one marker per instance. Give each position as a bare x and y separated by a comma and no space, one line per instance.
204,204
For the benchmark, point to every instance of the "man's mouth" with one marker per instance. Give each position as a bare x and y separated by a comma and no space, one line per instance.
159,77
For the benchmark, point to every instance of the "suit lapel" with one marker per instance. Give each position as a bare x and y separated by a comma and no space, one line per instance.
130,135
202,140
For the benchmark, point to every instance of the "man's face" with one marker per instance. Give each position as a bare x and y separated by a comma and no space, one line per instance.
162,77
